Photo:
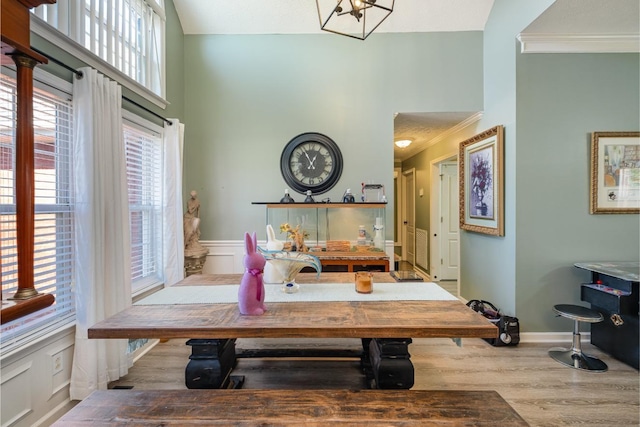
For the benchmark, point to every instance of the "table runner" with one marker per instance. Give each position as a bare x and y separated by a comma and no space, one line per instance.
219,294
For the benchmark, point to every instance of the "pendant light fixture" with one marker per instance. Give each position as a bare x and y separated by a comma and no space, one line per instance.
353,18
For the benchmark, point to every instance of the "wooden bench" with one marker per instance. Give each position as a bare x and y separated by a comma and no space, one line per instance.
291,407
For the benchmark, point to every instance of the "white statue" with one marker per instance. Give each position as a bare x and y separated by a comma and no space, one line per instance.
191,226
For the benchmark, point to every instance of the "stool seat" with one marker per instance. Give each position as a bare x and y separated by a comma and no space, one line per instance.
574,357
577,312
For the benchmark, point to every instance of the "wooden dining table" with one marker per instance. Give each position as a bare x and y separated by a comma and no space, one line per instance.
385,327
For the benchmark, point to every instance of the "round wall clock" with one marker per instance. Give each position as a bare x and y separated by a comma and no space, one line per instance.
311,161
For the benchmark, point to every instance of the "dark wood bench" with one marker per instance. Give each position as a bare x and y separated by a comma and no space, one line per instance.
292,407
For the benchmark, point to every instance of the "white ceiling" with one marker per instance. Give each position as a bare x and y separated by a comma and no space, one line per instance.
301,16
564,17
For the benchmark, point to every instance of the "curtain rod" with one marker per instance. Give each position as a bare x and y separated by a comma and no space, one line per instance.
79,75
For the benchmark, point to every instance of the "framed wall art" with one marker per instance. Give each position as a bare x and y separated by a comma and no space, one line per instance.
615,173
481,182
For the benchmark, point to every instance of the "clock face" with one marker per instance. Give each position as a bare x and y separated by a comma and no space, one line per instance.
311,161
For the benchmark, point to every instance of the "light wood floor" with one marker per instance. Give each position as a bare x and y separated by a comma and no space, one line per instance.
542,391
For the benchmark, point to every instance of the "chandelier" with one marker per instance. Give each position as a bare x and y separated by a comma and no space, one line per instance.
353,18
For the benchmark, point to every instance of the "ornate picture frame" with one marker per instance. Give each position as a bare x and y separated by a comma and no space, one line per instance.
615,173
481,161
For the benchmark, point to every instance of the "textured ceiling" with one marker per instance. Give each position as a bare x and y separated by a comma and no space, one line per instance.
425,129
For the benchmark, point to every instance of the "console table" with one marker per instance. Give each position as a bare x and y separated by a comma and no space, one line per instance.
353,261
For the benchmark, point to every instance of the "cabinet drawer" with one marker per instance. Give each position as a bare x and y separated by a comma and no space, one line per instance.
611,300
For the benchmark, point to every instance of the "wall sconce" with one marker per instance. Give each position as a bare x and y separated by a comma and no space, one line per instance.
353,18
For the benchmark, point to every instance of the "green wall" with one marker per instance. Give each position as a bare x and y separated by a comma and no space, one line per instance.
562,99
549,105
247,96
174,38
487,263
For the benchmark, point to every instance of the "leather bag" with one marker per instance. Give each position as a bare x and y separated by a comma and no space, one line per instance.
509,326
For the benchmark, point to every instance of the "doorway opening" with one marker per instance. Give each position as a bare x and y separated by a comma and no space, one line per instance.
444,219
421,131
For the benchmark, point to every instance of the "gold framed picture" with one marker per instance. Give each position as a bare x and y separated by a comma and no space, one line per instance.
615,173
481,159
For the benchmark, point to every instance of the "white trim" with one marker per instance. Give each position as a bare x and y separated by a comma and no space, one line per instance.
455,129
55,413
397,182
142,124
579,43
44,30
554,337
137,354
412,151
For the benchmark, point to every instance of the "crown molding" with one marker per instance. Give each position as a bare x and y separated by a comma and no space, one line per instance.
414,149
578,43
455,129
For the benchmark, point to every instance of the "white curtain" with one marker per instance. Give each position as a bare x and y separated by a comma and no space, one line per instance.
103,269
173,257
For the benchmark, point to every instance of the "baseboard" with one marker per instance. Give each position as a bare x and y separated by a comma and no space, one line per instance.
144,349
422,273
57,412
553,337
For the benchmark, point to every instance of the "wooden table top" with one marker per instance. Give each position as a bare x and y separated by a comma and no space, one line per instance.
313,408
335,319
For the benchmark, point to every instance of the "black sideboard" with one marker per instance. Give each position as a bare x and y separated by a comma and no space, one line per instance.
613,291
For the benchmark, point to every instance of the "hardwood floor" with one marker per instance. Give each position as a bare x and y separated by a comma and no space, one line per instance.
542,391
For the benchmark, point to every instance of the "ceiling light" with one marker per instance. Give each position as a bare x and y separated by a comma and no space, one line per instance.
403,143
353,18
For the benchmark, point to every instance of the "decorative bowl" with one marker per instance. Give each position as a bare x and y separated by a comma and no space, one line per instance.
289,264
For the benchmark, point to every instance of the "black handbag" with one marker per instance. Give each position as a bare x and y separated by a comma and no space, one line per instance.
508,326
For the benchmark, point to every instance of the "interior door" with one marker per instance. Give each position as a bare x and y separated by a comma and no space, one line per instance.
409,195
449,224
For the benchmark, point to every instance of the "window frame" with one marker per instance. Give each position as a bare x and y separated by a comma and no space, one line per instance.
144,284
75,29
62,313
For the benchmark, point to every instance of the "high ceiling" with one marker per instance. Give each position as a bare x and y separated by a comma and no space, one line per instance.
562,18
301,16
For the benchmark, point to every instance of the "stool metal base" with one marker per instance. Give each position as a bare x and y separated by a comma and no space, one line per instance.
577,360
574,357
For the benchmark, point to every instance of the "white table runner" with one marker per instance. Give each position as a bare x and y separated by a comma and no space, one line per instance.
218,294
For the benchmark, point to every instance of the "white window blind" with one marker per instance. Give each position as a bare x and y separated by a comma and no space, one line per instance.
144,181
127,34
54,225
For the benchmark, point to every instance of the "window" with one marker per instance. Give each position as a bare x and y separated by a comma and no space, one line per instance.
129,35
143,146
54,220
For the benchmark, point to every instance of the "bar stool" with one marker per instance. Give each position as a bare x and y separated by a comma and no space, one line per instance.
574,357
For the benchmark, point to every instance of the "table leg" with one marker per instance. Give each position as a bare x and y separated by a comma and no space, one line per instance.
211,362
389,362
365,363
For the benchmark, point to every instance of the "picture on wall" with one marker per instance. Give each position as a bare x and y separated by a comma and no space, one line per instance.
481,182
615,173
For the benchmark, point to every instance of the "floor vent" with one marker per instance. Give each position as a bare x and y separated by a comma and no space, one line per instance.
422,254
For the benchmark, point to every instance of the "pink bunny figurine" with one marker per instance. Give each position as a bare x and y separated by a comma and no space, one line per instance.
251,292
